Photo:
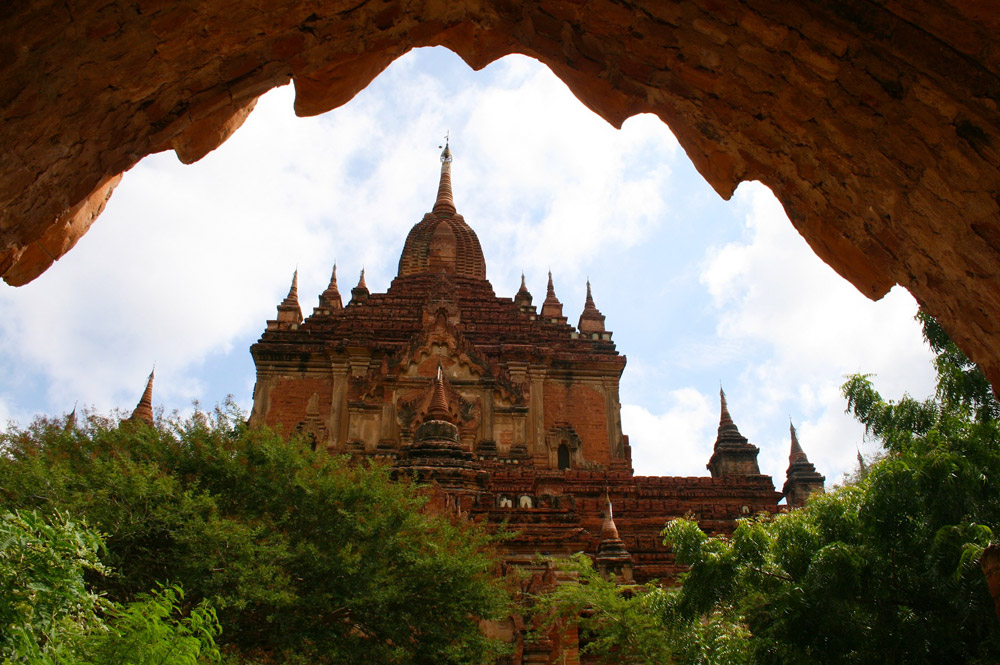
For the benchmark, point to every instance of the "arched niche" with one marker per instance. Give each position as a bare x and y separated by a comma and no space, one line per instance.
876,126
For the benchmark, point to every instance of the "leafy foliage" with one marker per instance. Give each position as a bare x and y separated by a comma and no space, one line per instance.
43,598
302,555
152,630
50,616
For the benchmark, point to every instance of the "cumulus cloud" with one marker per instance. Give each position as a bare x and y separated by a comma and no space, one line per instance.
677,441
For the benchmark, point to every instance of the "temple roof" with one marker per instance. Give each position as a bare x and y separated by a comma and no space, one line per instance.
494,325
441,267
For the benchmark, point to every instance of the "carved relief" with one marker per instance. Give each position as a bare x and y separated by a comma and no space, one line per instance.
414,406
312,426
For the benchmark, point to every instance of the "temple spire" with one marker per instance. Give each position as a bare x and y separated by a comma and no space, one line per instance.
612,559
442,242
551,307
438,409
330,298
445,203
609,531
289,311
591,320
523,297
725,420
437,435
732,453
360,292
796,454
143,411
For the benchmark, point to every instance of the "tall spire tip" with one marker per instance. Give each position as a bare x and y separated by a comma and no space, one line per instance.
445,202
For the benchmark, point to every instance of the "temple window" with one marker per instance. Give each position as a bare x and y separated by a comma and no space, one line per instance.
563,456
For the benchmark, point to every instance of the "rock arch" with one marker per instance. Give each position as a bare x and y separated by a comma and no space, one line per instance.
875,123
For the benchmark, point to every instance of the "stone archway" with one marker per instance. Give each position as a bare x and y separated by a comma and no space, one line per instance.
875,124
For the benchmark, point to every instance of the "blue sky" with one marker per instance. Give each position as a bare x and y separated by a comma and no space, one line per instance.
188,262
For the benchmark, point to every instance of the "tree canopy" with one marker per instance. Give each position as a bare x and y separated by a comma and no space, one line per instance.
302,555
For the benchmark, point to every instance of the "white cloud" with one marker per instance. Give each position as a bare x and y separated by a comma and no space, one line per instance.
676,442
800,329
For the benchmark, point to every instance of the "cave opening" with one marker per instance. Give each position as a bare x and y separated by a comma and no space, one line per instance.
192,259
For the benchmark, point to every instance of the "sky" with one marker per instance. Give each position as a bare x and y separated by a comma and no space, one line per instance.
188,262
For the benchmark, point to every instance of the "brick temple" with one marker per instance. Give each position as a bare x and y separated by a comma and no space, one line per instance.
509,410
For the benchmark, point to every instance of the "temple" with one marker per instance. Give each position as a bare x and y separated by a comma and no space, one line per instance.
511,412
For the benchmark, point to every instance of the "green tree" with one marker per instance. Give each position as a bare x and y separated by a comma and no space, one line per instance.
883,569
303,555
50,616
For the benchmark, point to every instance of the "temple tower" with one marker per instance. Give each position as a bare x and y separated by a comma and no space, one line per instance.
523,386
509,412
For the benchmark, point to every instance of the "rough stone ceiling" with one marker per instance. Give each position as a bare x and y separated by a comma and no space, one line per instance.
875,122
